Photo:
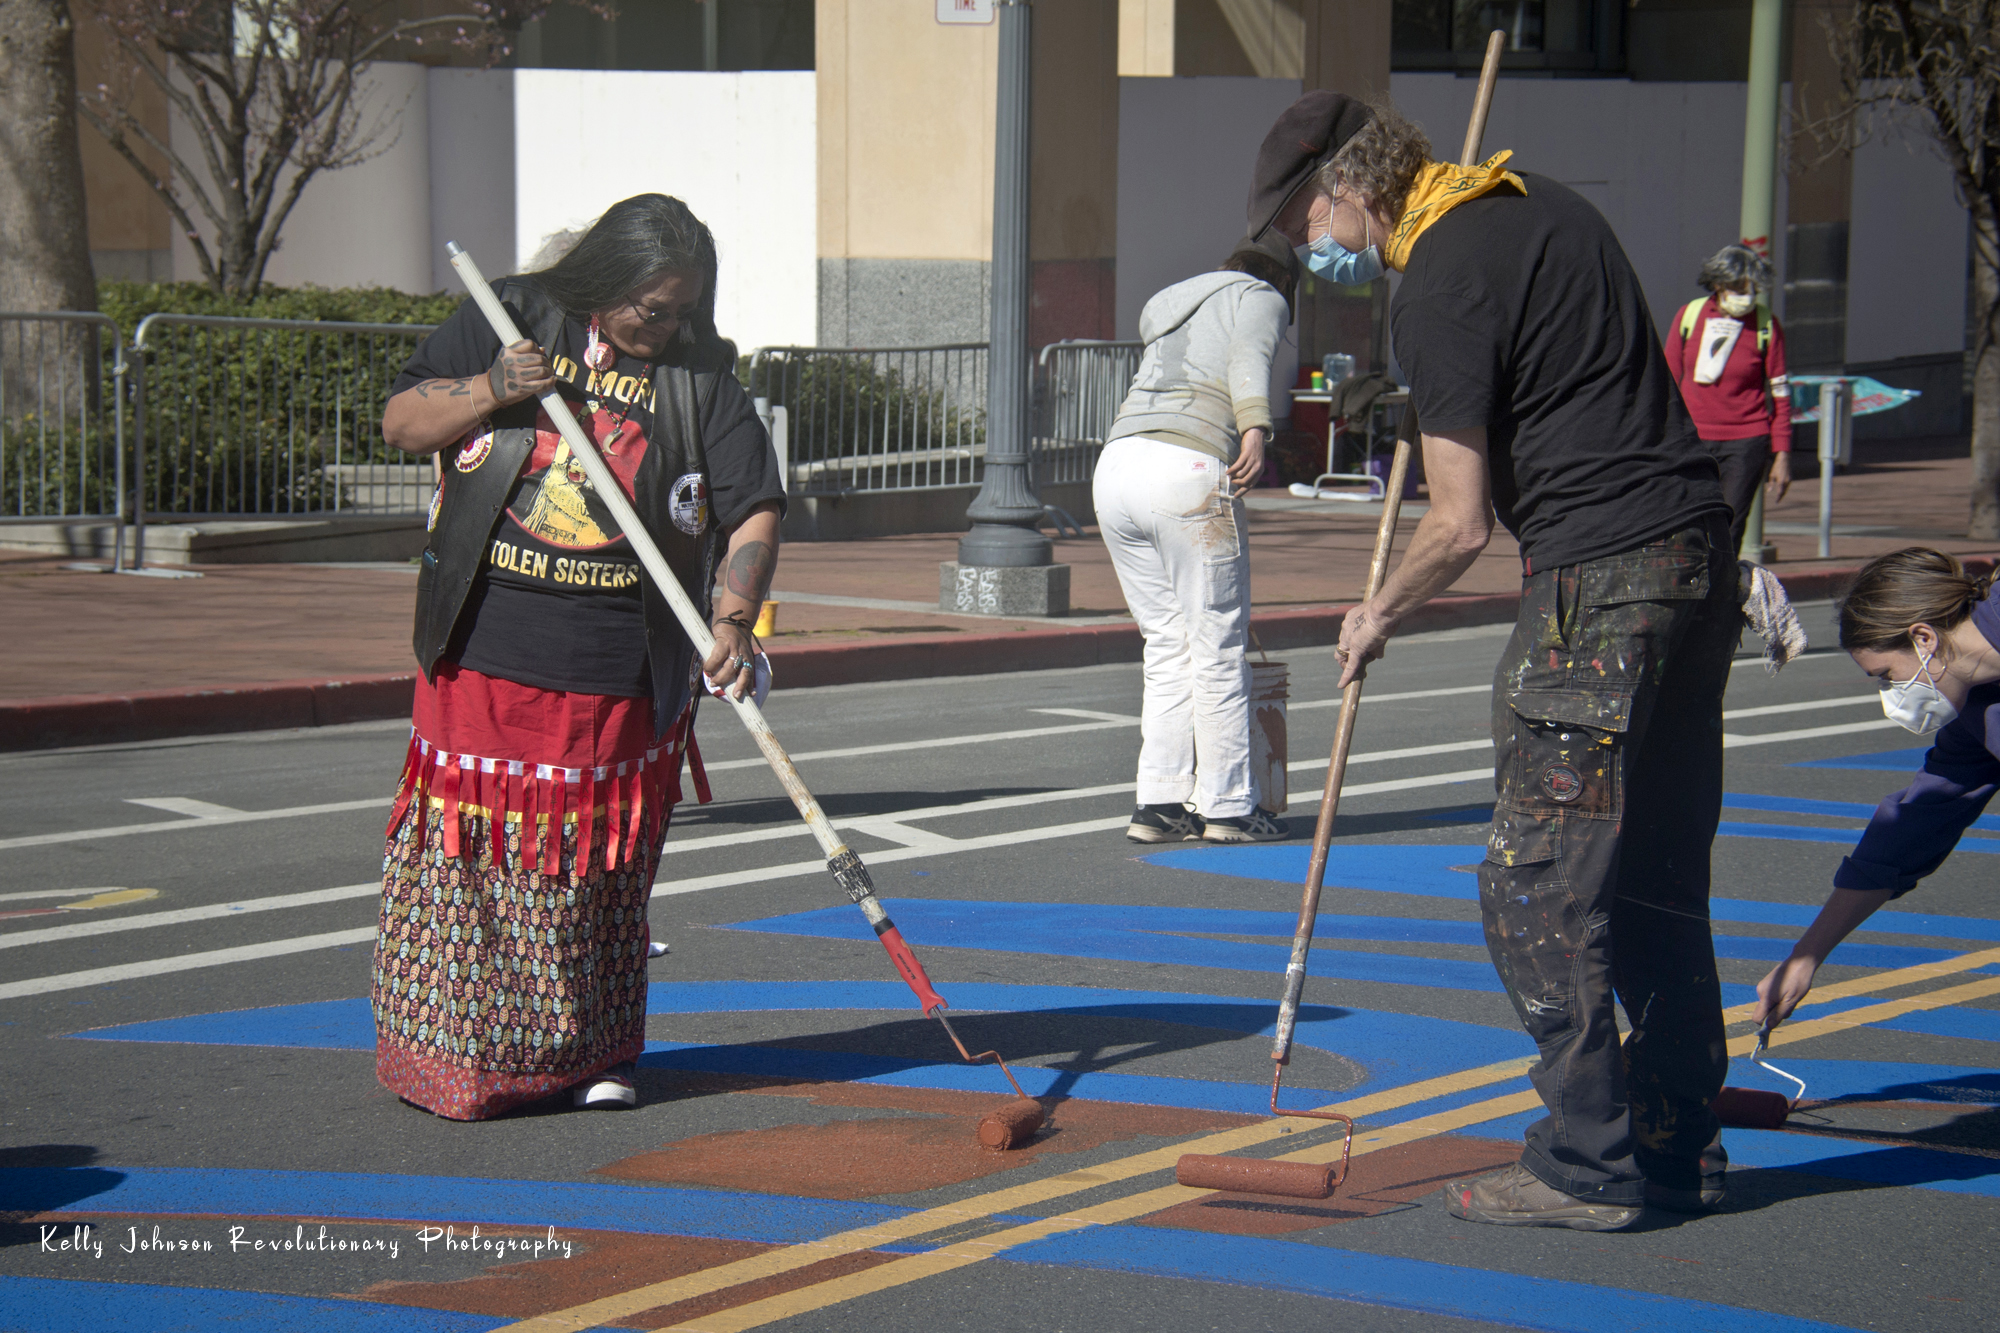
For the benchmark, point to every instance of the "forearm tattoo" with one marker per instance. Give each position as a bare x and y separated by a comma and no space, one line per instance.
461,388
750,570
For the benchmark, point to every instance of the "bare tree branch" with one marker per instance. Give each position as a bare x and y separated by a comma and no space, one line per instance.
273,92
1936,64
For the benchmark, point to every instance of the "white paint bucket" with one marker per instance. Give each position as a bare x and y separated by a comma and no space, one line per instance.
1270,686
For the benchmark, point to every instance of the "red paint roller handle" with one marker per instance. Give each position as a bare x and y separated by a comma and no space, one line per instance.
909,968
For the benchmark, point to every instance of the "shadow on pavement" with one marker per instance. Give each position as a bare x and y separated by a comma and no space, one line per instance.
40,1177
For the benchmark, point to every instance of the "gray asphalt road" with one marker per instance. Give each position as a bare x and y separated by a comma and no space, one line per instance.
198,1059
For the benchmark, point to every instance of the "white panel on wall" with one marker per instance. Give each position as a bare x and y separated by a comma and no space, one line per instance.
1907,242
365,225
739,149
1662,161
472,169
1185,152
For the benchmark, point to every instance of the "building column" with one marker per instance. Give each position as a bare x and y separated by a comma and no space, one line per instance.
1346,51
906,110
1818,203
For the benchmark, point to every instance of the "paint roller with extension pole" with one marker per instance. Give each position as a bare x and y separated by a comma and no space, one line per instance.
1318,1180
1756,1108
1008,1125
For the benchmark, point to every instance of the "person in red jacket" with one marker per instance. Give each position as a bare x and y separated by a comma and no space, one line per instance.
1727,353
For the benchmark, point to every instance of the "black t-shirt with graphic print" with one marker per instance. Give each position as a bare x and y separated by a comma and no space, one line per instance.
556,602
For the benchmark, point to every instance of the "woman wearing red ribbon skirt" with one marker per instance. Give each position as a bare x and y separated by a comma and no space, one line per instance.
556,706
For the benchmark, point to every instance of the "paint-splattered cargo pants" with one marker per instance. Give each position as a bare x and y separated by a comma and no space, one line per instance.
1607,733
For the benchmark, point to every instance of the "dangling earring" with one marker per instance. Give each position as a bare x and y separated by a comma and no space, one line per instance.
597,354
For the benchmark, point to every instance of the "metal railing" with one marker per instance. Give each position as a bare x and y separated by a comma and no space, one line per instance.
268,416
1079,387
876,418
62,415
282,417
914,418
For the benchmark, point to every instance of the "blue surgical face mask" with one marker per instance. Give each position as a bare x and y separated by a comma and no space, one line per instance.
1329,259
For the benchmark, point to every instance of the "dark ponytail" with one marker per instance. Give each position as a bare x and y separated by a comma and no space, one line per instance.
1913,586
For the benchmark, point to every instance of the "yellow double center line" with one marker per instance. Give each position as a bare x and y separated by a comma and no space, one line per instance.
912,1268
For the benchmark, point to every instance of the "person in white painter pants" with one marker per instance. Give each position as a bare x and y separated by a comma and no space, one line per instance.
1187,443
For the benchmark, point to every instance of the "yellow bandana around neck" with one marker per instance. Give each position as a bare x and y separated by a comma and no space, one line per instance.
1439,188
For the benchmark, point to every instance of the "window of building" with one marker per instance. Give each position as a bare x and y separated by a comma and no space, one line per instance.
1555,37
672,35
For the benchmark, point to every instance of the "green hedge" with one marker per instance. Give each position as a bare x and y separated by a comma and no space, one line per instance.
130,302
248,421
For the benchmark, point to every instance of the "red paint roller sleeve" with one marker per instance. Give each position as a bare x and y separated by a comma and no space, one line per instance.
1248,1175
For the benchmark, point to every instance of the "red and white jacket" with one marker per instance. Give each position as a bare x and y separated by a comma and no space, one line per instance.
1751,396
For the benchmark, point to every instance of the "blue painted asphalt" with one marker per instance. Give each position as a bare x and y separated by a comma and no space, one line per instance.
1439,871
1288,1265
52,1305
1172,934
1392,1049
1509,1299
1836,809
458,1200
1886,761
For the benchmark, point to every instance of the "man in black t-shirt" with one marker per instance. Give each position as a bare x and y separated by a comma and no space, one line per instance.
1541,392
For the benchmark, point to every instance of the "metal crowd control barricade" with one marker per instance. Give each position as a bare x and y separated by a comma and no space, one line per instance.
1079,387
62,418
266,417
875,418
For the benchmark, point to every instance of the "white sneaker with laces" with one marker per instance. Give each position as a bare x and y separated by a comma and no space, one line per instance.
611,1090
1260,825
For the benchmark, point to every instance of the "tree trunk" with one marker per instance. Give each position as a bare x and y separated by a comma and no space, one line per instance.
1985,517
44,242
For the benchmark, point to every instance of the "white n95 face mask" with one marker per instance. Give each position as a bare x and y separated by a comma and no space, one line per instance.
1917,704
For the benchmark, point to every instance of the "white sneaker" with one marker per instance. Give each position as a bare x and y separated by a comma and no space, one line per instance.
611,1090
1259,825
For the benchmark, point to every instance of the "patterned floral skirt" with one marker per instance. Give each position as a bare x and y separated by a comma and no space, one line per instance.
510,962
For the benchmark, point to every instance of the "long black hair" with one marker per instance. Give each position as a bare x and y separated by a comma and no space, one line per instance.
635,241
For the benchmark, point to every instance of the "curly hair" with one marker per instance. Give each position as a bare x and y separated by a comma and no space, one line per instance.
1733,264
1913,586
1380,163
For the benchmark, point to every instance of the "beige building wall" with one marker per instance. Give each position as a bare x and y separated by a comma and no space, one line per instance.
906,129
1339,44
131,233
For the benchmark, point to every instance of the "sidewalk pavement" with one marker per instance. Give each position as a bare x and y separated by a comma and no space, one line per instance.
95,658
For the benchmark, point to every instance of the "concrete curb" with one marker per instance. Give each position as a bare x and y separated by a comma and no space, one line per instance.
106,719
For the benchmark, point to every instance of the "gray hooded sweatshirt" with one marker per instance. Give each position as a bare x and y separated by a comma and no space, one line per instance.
1206,374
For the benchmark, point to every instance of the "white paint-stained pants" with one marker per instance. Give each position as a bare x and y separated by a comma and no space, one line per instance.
1183,559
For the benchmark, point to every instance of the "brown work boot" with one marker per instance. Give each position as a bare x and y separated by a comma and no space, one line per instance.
1514,1197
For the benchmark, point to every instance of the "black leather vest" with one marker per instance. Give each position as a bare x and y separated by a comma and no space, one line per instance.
469,505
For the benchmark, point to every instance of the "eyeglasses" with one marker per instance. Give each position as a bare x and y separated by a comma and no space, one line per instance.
652,318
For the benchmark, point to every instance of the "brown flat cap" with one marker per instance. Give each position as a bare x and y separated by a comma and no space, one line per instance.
1306,137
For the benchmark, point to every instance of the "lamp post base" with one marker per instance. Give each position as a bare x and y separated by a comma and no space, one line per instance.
989,590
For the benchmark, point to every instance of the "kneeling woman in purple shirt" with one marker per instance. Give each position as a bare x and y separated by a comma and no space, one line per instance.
1929,634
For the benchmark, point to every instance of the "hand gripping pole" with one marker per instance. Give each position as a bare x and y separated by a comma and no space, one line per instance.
841,861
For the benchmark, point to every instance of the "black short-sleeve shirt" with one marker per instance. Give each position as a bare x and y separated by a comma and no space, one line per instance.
1522,314
556,603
